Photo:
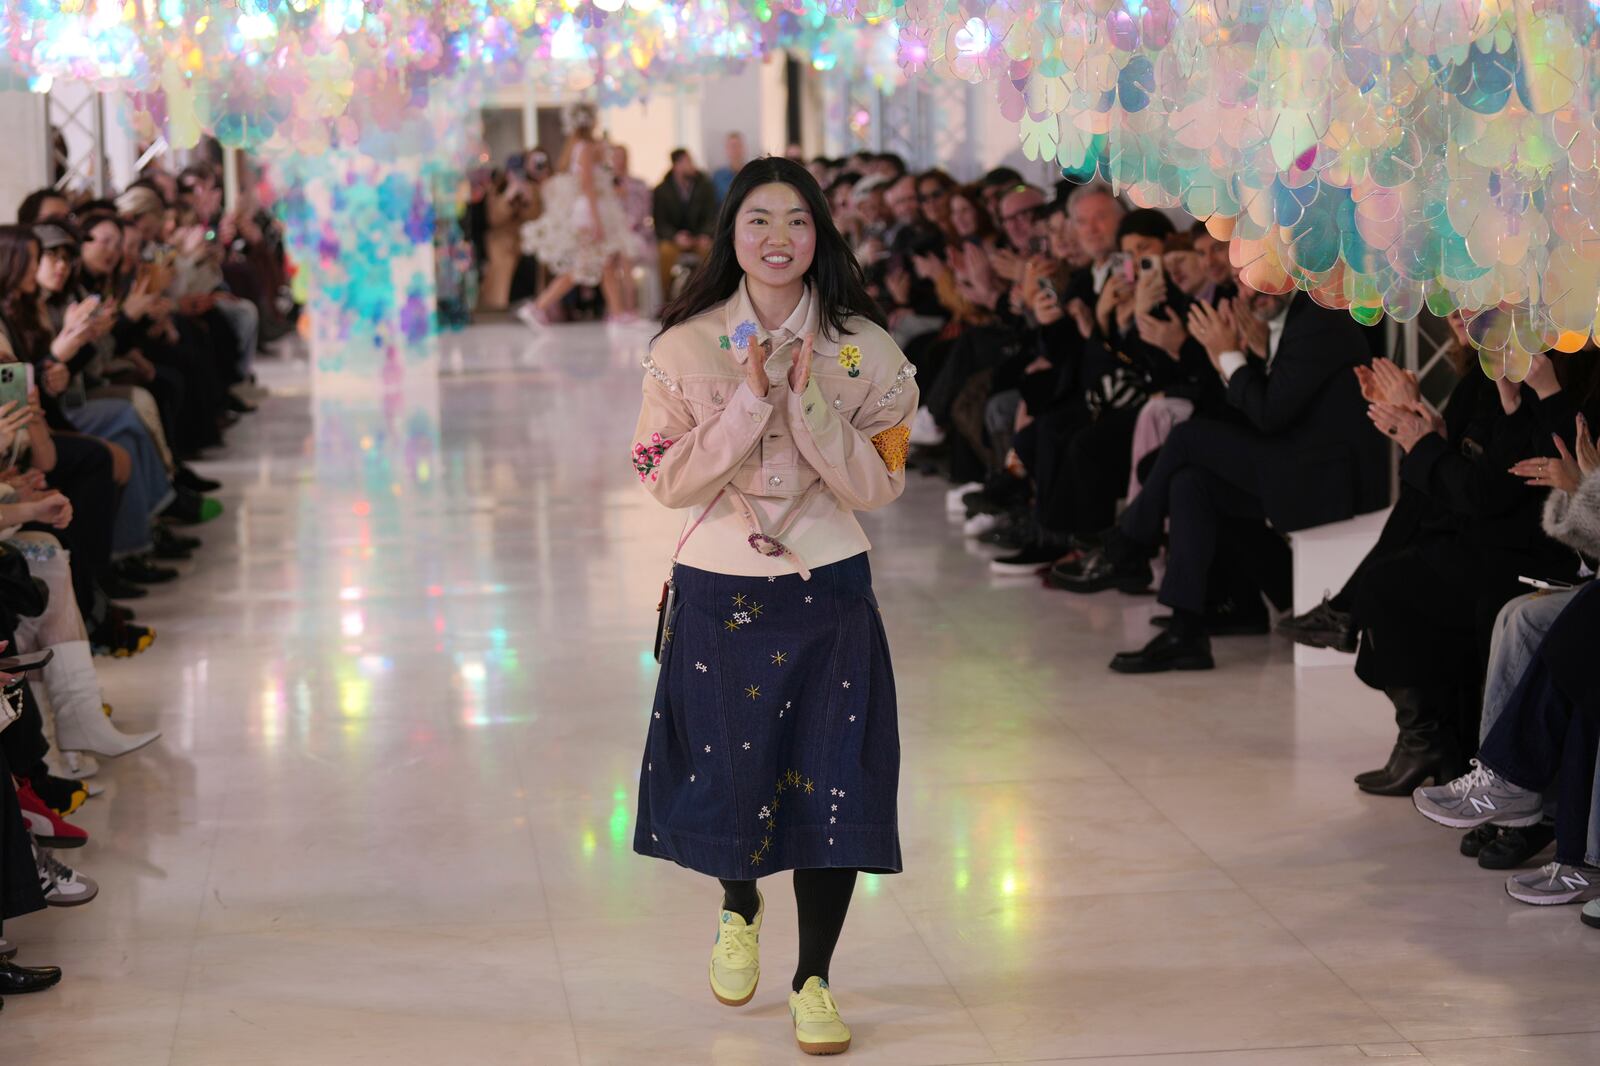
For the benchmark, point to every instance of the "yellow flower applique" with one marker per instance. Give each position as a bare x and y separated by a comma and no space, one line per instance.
850,359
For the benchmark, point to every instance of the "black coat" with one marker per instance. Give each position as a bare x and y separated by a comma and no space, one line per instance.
675,215
1322,462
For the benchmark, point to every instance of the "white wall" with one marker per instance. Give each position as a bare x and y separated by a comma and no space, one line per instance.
23,165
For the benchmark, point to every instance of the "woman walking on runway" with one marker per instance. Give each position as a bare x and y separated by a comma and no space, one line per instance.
775,406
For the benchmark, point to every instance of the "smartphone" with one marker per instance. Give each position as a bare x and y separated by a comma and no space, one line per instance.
23,664
1045,285
1147,263
15,380
1547,586
1122,265
1038,245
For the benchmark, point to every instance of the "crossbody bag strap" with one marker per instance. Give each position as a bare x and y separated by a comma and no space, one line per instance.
696,524
769,544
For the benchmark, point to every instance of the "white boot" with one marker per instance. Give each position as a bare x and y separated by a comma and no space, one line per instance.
81,724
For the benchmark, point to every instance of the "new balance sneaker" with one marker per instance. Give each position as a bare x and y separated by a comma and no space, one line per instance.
46,826
817,1027
7,949
1555,883
736,960
1478,797
1591,914
61,884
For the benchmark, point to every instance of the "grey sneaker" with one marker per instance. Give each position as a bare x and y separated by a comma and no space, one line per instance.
1478,797
1591,914
1555,883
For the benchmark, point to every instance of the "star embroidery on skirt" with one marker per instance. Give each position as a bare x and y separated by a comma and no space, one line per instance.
834,807
700,667
808,599
655,838
708,749
832,820
731,625
755,610
830,842
833,792
771,824
847,684
738,601
841,793
772,580
747,745
753,691
810,788
766,812
691,779
852,717
658,714
755,858
780,658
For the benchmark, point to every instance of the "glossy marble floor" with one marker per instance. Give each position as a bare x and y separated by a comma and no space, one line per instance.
404,692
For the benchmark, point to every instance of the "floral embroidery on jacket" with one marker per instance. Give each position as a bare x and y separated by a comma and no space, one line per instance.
647,457
724,343
850,359
744,333
893,444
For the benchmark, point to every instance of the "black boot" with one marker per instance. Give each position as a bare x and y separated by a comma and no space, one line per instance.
1417,754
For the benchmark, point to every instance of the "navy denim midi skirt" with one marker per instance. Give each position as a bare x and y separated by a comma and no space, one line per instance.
774,743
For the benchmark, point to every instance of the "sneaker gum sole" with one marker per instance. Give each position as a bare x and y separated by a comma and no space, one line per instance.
837,1047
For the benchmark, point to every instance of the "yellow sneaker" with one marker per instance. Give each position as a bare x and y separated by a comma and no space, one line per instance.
817,1028
736,960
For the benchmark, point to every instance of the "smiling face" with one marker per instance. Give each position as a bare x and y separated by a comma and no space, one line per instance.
963,216
774,236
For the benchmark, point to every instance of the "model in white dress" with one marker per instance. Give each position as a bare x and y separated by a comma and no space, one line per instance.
584,228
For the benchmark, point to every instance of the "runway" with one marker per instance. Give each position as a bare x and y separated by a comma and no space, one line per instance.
404,691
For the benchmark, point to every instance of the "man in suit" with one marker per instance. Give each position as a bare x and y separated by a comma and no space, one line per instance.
685,210
1292,448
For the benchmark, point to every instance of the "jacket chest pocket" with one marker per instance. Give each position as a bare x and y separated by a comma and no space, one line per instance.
847,396
707,396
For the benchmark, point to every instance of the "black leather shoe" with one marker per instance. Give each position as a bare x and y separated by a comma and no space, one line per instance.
16,980
1407,771
1324,626
1167,651
1475,840
117,589
1095,572
1228,619
185,477
1383,773
142,571
1514,847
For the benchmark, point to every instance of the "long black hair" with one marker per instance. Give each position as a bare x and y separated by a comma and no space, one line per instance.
835,277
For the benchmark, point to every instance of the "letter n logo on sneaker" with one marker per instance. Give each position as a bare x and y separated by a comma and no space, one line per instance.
1481,805
1574,881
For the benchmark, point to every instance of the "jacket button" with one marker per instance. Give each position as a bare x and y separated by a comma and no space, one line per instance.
774,481
838,404
755,416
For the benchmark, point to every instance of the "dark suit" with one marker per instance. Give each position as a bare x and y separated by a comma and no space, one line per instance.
1294,447
674,214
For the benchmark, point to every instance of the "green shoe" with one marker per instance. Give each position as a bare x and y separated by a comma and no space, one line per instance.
736,960
817,1028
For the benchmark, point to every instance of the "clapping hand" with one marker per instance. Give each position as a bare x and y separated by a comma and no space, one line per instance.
1570,465
1164,331
1216,328
1384,382
800,372
13,420
1404,425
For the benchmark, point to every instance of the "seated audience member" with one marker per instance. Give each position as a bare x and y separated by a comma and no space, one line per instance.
1503,837
1464,530
1292,447
685,210
933,196
1542,746
43,205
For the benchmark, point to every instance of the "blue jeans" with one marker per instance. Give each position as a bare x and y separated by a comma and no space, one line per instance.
1519,629
148,491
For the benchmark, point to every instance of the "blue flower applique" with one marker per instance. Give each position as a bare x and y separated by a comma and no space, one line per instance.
744,333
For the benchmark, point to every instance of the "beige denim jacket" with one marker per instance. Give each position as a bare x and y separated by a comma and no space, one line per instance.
804,462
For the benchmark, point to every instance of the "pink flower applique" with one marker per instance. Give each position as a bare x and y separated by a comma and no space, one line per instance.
647,457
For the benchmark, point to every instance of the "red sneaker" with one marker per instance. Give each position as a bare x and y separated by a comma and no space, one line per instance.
49,829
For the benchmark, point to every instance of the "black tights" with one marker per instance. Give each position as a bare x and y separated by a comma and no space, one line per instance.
822,898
